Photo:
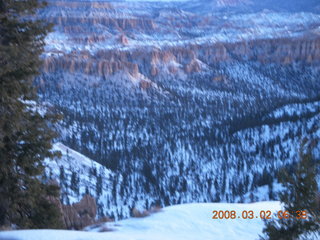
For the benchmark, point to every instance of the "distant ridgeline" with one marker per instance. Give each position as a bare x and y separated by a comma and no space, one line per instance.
256,5
182,106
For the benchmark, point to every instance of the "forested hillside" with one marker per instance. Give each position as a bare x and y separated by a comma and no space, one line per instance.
183,106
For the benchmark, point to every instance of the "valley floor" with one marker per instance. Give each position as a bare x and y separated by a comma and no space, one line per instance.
187,222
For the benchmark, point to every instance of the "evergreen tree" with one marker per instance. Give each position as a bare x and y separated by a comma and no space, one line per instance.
87,190
25,131
300,194
62,177
74,185
99,185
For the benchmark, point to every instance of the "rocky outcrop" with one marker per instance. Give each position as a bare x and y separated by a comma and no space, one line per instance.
150,61
123,40
71,24
283,51
145,84
103,39
84,17
81,214
78,215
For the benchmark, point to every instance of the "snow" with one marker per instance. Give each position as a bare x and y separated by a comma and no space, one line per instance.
75,157
74,162
187,222
296,110
230,28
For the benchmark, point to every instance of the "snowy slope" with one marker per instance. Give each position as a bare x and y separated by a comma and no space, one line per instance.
86,173
187,222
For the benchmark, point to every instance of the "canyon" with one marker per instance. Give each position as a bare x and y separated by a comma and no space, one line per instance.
186,101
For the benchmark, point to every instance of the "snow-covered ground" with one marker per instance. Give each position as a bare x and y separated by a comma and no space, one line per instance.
187,222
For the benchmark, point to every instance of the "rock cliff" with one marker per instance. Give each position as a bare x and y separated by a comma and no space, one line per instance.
103,39
150,61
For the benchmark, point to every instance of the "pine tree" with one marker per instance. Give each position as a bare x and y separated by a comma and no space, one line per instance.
62,177
25,132
300,194
74,185
98,185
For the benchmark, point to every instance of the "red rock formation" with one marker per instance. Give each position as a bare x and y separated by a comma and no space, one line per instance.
79,24
173,69
108,62
81,214
145,84
218,78
123,40
154,70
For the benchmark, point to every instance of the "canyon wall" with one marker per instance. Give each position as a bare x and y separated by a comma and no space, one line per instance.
189,59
